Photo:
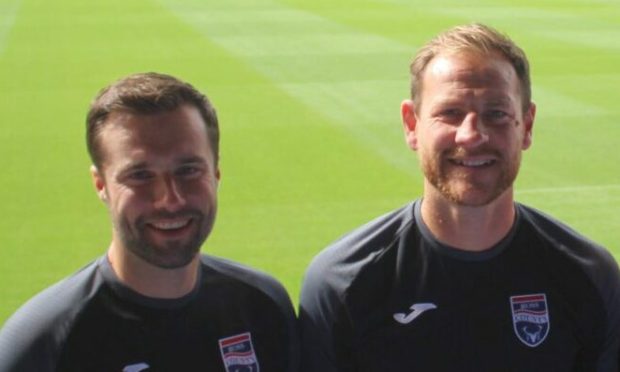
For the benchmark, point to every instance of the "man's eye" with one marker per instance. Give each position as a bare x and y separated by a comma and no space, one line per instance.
451,116
496,116
450,112
188,171
140,175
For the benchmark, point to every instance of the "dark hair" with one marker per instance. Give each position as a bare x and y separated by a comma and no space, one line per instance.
147,93
476,38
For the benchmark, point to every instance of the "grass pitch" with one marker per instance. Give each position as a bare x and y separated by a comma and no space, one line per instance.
308,95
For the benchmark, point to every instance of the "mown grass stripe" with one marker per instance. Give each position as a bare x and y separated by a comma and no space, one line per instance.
8,14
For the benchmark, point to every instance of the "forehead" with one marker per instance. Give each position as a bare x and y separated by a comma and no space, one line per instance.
127,136
457,72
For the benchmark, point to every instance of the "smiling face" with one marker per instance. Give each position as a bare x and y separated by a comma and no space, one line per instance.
470,128
159,182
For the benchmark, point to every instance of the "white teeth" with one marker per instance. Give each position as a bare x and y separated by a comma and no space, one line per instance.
169,225
473,163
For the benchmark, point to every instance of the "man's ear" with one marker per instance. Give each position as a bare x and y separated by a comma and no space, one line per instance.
528,122
410,120
99,183
218,177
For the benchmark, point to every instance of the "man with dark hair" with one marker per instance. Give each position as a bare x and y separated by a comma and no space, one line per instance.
153,302
465,278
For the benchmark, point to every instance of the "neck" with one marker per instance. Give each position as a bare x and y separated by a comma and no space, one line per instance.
150,280
469,228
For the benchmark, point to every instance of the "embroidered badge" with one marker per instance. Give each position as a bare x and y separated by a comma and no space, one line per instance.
238,353
530,318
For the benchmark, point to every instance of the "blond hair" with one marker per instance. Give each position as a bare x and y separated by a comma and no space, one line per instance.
473,38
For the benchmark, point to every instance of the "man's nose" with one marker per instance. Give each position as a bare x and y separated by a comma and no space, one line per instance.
471,132
168,194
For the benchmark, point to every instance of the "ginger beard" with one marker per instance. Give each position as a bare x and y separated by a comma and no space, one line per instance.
462,187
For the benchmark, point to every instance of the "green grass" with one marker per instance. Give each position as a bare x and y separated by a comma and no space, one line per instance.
308,95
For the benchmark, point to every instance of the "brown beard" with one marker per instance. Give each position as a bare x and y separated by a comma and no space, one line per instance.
174,254
435,172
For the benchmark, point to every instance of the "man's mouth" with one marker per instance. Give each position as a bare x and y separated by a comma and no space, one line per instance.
473,163
170,225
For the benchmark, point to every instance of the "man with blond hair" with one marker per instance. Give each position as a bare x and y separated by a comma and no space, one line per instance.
464,278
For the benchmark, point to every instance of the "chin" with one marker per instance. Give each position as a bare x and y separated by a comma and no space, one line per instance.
470,195
172,261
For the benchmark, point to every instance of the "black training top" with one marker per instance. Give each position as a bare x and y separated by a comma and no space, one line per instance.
236,319
390,297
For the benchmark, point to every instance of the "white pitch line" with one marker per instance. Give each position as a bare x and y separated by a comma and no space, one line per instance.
584,188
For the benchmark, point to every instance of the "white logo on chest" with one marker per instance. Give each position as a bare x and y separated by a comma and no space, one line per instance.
136,367
416,311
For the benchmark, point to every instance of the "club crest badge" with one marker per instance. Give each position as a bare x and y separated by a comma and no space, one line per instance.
530,318
238,353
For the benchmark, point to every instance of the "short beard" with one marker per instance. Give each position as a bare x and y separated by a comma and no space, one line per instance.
171,256
445,184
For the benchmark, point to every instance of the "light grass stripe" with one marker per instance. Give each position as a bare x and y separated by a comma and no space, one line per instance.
309,44
275,30
548,98
8,14
356,107
570,189
601,38
584,23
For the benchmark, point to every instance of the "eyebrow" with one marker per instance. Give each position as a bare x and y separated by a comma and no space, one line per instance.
496,101
182,161
193,160
449,99
133,167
